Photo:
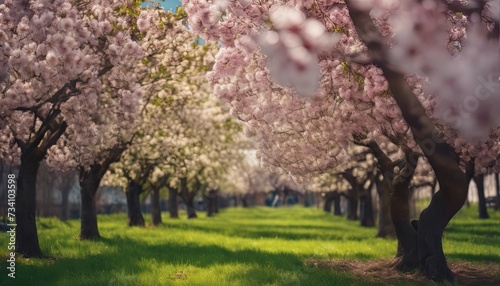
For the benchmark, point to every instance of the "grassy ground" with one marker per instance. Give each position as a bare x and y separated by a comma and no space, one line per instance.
256,246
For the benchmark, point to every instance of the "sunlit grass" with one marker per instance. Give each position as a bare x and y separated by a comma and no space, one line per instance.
255,246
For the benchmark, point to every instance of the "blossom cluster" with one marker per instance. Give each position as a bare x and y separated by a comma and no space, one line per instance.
434,47
55,55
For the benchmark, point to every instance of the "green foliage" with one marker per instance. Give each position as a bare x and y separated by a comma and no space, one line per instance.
256,246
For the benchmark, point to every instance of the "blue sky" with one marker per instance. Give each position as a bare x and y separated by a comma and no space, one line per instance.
167,4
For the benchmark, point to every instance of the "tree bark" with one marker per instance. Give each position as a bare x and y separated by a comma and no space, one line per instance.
352,208
88,216
385,225
352,195
400,214
155,207
327,205
134,205
173,206
497,184
210,203
89,183
26,232
483,211
444,161
216,202
367,218
90,177
337,210
188,198
191,211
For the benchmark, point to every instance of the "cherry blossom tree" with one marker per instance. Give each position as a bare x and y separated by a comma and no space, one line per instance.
185,139
169,54
54,56
308,77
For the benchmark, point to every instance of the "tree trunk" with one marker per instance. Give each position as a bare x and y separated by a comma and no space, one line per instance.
188,198
211,203
89,184
497,184
400,214
327,205
155,207
173,206
483,211
337,210
452,180
88,216
352,195
26,232
367,219
216,203
134,205
191,211
385,225
352,207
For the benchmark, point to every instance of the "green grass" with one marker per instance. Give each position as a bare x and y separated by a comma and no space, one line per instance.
256,246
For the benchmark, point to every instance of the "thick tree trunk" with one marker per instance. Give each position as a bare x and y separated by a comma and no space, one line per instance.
327,205
216,203
135,217
88,216
211,201
400,214
352,195
385,225
191,211
497,184
26,232
188,198
89,183
452,181
368,217
89,179
337,210
352,208
483,211
173,206
155,207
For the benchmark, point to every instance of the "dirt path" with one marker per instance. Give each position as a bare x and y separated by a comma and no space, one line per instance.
381,271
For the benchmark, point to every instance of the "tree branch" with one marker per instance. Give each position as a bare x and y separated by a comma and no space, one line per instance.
440,155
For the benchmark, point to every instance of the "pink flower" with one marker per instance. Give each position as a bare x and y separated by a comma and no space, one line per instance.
142,24
292,49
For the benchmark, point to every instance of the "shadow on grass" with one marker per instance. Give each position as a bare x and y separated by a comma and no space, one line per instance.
486,235
267,230
131,258
482,258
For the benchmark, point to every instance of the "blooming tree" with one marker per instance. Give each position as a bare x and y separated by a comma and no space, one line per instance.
185,139
306,75
54,56
168,56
